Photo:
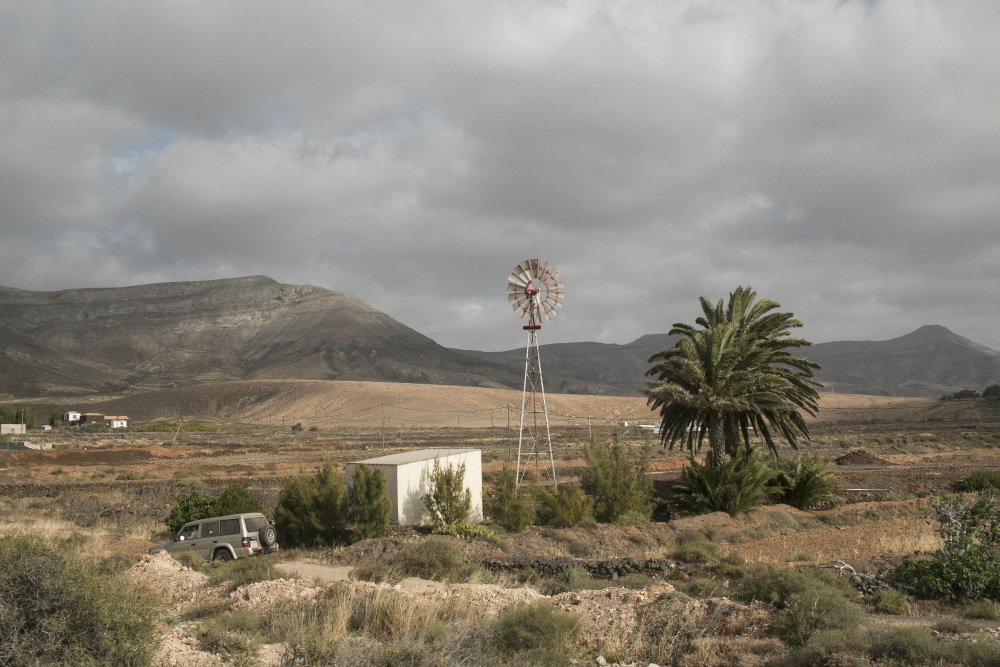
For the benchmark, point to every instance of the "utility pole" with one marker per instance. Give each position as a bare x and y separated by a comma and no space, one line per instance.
590,433
383,425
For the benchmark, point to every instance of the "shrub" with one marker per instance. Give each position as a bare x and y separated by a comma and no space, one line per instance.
432,558
189,507
508,506
981,480
983,609
235,499
908,645
56,611
992,391
614,483
692,547
806,604
563,508
165,427
296,427
966,566
804,482
309,510
534,634
888,602
243,571
233,634
367,503
734,487
448,501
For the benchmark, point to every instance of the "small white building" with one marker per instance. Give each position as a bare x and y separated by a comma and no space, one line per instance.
119,421
71,417
12,429
407,480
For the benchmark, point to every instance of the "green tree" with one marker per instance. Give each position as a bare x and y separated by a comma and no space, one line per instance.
310,509
730,374
17,414
448,502
189,507
614,482
508,506
966,566
367,503
992,391
236,499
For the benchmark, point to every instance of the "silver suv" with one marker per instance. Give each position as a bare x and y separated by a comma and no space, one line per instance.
223,538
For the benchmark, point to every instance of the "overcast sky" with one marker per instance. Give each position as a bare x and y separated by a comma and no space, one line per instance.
843,158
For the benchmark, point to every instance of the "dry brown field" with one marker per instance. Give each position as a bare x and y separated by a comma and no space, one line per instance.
118,487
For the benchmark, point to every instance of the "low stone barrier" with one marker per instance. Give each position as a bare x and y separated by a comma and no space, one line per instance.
601,569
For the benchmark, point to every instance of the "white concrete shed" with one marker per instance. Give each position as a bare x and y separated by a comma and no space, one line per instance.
407,480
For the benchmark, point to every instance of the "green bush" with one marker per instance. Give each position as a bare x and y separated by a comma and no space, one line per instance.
309,510
615,483
981,480
563,508
18,414
907,645
506,505
189,507
806,604
966,567
888,602
236,499
435,558
367,504
735,487
692,547
55,610
805,482
448,501
534,634
992,391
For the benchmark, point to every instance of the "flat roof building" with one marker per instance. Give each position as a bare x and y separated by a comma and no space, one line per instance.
407,477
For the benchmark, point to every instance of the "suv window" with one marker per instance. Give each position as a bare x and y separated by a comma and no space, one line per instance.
210,529
229,527
254,523
189,532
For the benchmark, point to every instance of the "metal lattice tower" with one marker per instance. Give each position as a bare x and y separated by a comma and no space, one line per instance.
535,291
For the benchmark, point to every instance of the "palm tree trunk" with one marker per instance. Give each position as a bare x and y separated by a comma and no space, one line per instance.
717,438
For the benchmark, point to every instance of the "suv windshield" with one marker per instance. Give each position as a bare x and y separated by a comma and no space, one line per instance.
254,523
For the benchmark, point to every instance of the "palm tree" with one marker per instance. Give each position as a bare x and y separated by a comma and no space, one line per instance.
731,374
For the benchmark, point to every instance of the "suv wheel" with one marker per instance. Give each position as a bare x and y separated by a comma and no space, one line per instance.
267,536
222,556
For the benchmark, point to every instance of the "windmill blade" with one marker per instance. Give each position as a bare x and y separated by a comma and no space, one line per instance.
513,287
525,308
534,267
525,267
556,285
513,296
515,279
546,276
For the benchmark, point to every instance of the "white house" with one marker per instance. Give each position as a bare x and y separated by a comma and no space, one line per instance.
407,480
12,429
120,421
71,417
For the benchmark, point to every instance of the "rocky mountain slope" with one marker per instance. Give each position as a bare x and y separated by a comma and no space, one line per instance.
148,337
929,362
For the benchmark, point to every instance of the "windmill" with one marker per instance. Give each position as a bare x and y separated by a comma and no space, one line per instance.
533,289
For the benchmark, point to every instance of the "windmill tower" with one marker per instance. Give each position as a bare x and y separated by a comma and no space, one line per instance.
534,290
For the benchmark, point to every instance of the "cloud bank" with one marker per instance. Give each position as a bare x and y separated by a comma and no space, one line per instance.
840,157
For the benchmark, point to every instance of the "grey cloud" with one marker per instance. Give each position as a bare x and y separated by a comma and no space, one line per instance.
841,157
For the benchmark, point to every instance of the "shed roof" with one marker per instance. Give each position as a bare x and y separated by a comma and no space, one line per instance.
414,456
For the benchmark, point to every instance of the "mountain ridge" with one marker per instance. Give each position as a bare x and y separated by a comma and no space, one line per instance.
121,340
